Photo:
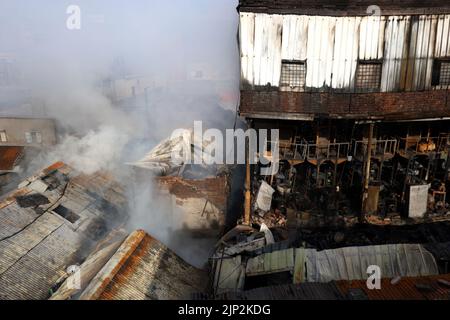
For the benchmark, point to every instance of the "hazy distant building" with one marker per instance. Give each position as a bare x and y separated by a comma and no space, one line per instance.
27,132
21,137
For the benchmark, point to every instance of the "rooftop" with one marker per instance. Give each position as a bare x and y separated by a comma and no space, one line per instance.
144,269
343,7
52,221
9,157
409,288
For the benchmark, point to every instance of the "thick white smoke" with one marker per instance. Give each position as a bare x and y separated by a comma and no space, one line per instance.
63,70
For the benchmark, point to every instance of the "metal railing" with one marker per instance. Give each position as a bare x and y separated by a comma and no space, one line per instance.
424,144
307,151
379,147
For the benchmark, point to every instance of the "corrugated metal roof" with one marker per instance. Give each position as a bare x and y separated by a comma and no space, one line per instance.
9,157
146,270
277,261
351,263
229,275
37,244
408,288
419,288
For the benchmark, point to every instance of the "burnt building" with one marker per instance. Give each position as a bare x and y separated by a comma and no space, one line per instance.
360,94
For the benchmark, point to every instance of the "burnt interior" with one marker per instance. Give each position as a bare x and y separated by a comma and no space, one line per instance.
323,167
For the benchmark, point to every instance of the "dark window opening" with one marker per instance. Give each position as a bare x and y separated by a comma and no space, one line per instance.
67,214
268,280
368,75
441,73
293,74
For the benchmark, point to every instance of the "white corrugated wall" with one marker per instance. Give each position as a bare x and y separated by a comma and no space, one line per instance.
267,49
421,53
331,47
295,37
345,52
371,38
247,45
321,32
443,37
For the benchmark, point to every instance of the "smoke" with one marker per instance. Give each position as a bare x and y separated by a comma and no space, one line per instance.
156,213
183,51
97,150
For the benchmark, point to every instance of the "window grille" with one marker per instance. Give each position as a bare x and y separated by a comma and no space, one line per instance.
293,74
368,75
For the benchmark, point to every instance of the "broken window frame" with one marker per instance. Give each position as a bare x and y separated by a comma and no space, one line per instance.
293,84
437,77
374,79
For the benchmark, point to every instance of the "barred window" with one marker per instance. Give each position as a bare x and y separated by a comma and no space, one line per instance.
293,74
441,73
368,75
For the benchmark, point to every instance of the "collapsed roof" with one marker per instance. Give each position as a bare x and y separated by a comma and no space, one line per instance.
172,154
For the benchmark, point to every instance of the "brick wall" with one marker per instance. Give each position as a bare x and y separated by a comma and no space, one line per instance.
390,106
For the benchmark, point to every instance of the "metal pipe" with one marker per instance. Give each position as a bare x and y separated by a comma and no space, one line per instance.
247,208
367,171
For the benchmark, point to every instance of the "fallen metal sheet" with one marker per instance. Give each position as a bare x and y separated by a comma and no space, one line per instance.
418,201
229,275
244,246
264,197
268,234
174,152
405,260
38,186
275,262
310,265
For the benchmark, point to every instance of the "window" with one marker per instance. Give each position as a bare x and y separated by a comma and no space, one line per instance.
441,73
293,74
67,214
28,137
3,136
198,74
368,75
33,137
